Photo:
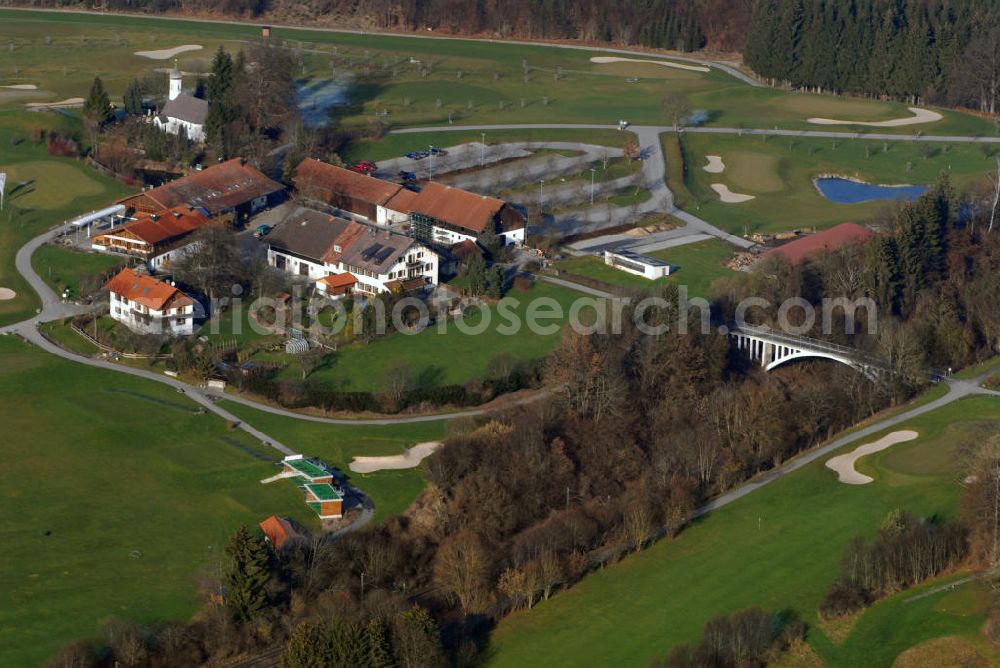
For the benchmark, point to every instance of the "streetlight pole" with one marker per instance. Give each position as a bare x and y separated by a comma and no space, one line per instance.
541,192
593,171
432,163
482,151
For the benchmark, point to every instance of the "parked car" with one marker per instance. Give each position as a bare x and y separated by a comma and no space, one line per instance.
407,176
364,167
434,150
262,231
417,155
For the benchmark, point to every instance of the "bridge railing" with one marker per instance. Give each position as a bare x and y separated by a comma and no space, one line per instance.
771,336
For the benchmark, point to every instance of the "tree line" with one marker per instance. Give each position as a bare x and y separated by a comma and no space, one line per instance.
936,51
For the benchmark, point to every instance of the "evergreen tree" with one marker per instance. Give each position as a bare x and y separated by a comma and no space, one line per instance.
97,106
477,275
221,108
132,99
348,644
248,574
379,651
494,282
308,647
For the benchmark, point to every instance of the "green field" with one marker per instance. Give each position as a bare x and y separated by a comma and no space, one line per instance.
117,497
437,359
56,189
337,445
462,80
779,549
699,264
64,268
779,172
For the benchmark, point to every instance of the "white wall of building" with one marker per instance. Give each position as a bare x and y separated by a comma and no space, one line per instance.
419,261
193,131
172,322
636,266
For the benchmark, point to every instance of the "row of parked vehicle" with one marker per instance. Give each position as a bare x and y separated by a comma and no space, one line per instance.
420,155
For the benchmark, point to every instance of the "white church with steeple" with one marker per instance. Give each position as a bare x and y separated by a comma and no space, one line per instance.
182,113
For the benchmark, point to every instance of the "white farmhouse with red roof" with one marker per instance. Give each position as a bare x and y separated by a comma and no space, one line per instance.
148,306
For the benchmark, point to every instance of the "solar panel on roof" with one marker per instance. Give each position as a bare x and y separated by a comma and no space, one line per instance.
383,254
370,251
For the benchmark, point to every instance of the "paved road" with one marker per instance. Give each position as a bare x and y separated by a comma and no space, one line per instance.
653,179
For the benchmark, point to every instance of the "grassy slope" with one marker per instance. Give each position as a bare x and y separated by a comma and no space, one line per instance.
699,264
110,465
442,359
794,202
66,268
337,445
636,610
26,216
491,74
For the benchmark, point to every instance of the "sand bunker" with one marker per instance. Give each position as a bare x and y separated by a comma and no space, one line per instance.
715,164
61,104
728,196
163,54
602,60
21,86
919,116
844,464
411,458
6,294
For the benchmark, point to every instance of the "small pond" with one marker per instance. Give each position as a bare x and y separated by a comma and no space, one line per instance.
846,191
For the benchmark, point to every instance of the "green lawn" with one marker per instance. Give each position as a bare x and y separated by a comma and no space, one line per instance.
337,445
64,268
779,173
778,548
464,81
699,264
118,497
57,189
62,333
442,359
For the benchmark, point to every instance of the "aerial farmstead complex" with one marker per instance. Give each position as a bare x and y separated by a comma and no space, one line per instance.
347,233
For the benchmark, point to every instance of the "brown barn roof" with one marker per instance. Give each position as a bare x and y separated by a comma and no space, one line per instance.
217,188
165,226
834,238
147,291
316,177
456,206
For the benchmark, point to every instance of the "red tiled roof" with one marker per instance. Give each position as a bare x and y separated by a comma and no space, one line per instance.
834,238
147,291
466,248
278,530
317,179
456,206
343,280
164,226
217,188
403,201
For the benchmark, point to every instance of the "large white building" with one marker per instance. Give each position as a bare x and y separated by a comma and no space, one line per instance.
640,265
148,306
182,114
343,256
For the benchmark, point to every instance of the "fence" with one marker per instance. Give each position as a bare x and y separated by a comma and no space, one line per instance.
108,349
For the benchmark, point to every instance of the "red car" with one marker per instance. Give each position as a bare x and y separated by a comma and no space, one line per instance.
364,167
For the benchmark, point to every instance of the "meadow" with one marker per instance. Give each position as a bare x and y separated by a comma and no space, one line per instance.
698,266
778,548
67,269
452,357
118,496
779,173
391,491
42,191
404,81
